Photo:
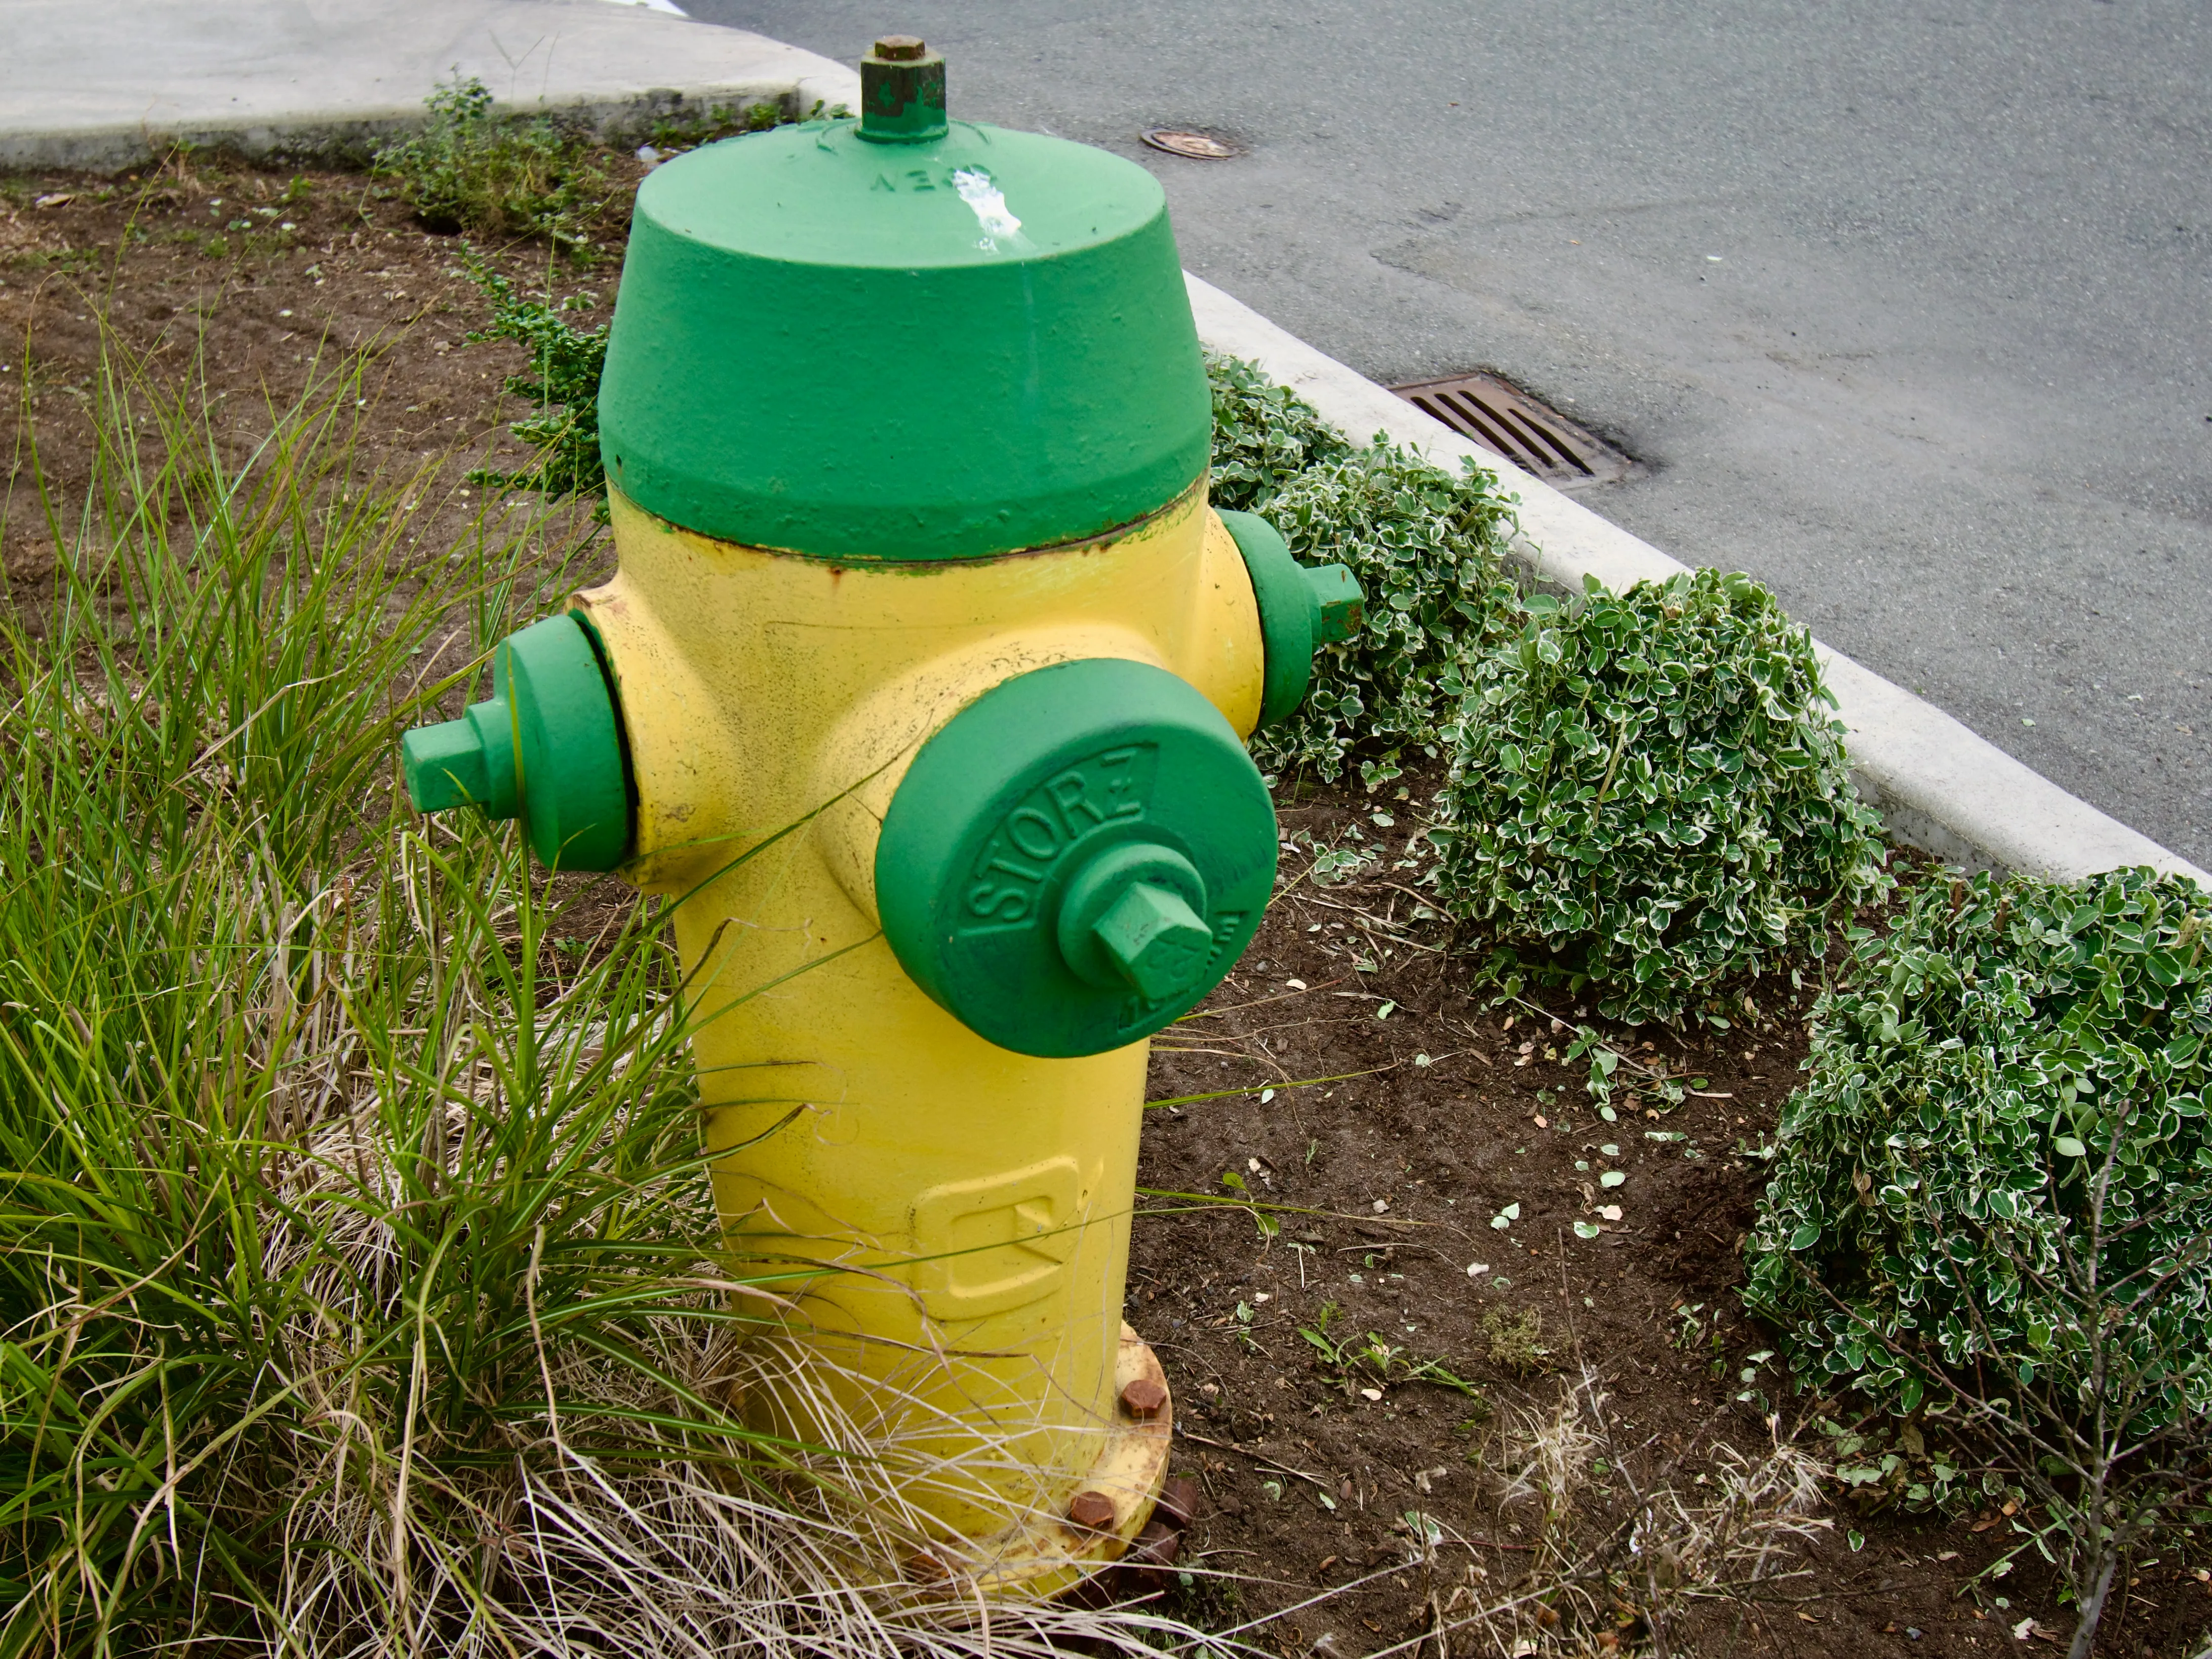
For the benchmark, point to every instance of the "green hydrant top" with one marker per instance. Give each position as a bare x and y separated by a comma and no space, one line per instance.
902,337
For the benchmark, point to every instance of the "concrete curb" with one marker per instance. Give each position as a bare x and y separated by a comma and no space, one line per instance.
109,87
1938,786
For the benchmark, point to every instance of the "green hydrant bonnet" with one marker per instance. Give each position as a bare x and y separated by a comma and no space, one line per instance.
942,350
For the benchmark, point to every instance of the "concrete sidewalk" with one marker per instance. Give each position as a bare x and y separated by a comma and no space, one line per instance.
104,85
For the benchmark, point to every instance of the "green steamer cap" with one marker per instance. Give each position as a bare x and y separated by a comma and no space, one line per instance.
546,747
901,338
1077,858
1302,608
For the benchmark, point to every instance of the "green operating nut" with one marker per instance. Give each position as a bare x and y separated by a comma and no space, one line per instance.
1301,609
901,93
545,747
1158,942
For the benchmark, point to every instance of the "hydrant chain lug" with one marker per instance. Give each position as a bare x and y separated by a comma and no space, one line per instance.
935,720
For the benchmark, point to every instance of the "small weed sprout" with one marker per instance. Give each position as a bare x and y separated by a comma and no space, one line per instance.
563,382
1516,1341
472,169
1368,1360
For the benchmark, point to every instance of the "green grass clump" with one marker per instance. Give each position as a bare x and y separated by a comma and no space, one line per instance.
1992,1202
1649,791
324,1188
470,170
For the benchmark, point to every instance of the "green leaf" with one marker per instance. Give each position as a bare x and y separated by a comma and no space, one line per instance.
2068,1146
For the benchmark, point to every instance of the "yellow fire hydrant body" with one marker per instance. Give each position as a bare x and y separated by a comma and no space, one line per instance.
934,743
970,1198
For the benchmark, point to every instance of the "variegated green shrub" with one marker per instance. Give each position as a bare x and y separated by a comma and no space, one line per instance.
1648,790
2006,1058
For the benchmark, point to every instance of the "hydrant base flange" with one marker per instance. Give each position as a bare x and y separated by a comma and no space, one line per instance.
1046,1555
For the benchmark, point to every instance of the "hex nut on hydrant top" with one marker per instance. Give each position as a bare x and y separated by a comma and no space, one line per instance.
924,681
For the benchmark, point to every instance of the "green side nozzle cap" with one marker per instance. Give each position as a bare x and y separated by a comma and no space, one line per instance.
1077,858
1301,609
546,747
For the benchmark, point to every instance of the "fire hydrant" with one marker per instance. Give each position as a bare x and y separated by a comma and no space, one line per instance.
923,684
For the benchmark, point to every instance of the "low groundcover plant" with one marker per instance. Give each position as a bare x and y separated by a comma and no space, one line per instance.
1992,1201
1427,544
1649,791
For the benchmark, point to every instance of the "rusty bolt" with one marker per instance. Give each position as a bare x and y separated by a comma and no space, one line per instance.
1093,1512
1156,1546
1178,1502
1145,1396
899,48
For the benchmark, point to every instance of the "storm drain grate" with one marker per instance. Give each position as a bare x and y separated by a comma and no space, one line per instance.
1509,422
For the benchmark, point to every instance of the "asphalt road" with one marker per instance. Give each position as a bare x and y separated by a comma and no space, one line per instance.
1905,308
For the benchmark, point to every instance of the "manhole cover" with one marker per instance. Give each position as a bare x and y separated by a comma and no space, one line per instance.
1509,422
1198,146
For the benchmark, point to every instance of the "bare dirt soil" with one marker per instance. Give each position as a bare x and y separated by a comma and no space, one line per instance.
1420,1155
237,290
1400,1180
